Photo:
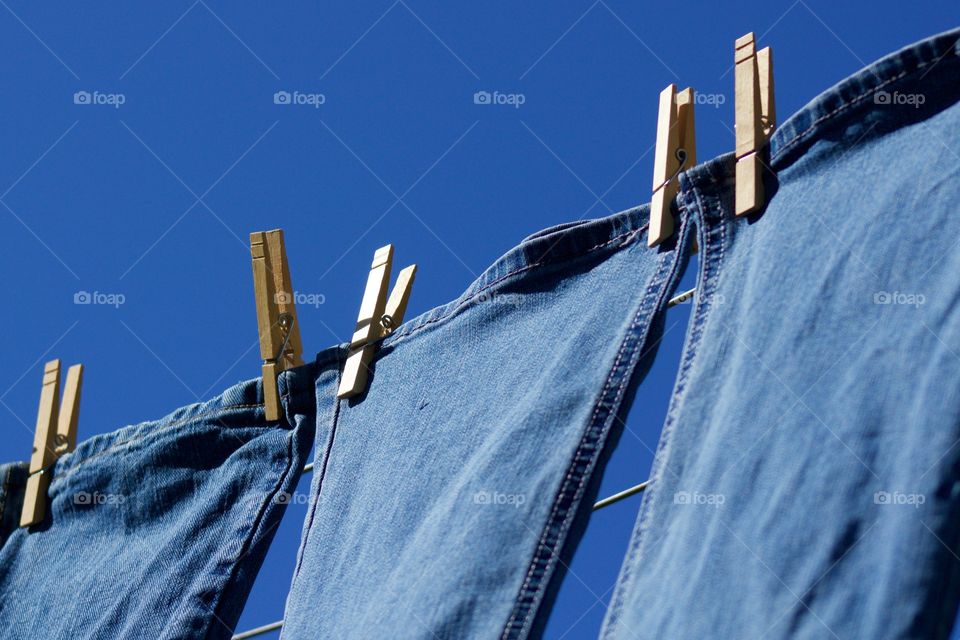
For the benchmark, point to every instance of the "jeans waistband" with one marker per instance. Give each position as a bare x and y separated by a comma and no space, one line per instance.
881,89
244,400
552,246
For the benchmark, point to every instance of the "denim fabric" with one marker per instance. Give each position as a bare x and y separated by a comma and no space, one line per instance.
448,498
156,530
807,482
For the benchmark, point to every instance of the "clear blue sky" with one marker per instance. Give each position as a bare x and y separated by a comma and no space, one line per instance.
149,187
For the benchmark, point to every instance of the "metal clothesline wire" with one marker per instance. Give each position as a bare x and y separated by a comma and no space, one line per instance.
600,504
252,633
679,299
606,502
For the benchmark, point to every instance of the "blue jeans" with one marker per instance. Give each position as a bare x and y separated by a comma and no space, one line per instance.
156,530
807,482
448,499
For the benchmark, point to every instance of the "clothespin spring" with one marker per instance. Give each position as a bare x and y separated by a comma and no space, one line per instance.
285,321
386,321
681,156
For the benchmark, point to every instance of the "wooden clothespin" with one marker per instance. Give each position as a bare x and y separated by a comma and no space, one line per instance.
280,345
755,121
768,109
676,149
55,435
378,318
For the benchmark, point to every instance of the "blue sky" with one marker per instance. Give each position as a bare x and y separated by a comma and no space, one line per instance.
144,142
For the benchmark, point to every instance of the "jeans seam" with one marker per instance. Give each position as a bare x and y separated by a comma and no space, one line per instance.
290,399
635,550
532,588
401,334
320,475
249,543
712,260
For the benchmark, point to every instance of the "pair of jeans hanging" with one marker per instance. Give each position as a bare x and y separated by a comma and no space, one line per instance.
156,530
448,498
807,482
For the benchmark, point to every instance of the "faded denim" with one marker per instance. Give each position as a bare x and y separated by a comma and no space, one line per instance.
448,499
156,530
807,482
